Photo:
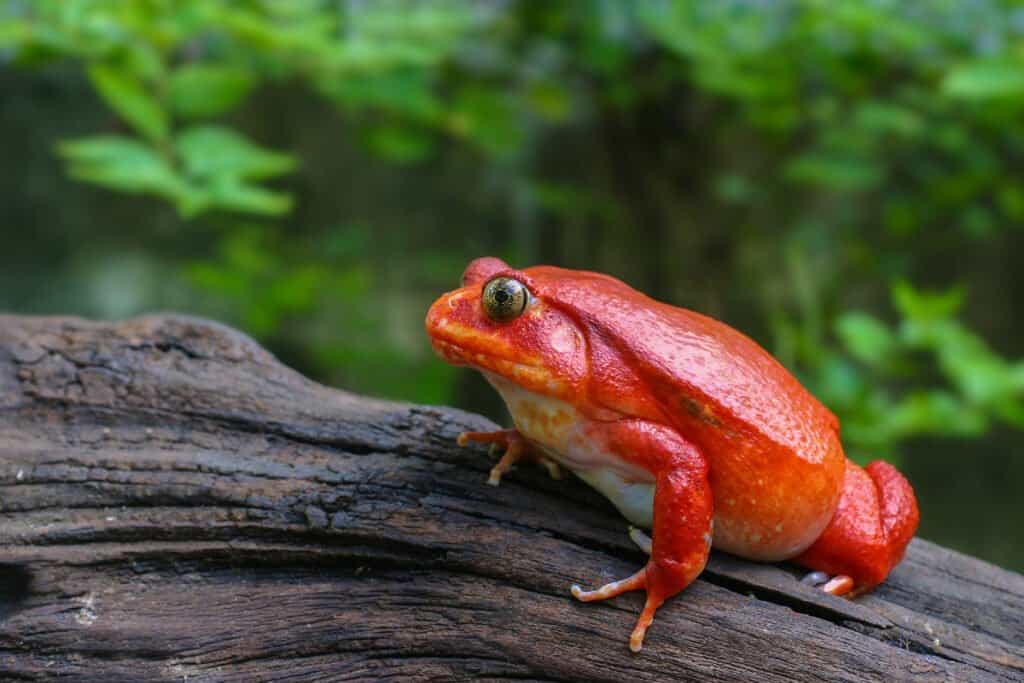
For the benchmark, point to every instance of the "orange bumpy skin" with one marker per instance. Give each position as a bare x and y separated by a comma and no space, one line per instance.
689,427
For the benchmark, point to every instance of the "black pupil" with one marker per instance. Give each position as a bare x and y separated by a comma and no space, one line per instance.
502,296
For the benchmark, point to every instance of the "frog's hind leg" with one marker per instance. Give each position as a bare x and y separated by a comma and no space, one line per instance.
516,448
681,533
869,532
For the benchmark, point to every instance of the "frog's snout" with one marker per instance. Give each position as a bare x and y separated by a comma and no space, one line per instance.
437,316
435,324
445,318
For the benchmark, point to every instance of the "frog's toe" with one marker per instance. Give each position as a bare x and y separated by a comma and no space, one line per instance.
840,584
635,582
642,540
506,441
642,580
512,455
636,638
513,448
554,471
815,578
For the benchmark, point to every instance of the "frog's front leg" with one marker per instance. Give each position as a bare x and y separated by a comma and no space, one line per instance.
516,448
682,520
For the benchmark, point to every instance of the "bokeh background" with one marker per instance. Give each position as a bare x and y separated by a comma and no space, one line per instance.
843,181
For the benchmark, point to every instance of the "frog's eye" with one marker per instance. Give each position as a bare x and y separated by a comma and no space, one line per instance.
505,298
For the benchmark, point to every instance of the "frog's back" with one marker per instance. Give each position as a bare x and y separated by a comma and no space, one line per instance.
724,375
773,449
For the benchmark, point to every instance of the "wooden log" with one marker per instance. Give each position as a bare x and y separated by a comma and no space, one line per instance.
175,505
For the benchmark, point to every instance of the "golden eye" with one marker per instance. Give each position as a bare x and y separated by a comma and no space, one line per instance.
505,299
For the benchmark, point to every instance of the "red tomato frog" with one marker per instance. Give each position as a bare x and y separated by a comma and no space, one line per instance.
691,429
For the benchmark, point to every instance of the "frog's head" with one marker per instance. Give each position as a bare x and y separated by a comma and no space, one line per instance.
501,322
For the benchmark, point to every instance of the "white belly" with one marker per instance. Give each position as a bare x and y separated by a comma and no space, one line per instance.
635,500
557,428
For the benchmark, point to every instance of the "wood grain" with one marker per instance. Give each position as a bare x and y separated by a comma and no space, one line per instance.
175,505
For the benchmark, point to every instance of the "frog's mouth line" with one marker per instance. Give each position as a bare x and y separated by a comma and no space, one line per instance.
516,371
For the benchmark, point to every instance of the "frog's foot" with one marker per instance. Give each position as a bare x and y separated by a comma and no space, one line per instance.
516,448
834,585
638,581
868,534
660,580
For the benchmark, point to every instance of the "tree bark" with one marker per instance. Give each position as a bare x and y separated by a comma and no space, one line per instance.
175,505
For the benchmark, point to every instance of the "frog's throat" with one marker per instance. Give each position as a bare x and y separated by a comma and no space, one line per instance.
535,377
557,429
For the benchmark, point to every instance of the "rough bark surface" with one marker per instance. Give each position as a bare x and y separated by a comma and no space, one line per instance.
175,505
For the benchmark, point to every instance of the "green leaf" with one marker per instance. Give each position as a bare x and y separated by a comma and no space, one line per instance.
216,151
235,195
919,305
219,161
127,96
985,79
198,90
885,117
839,382
936,412
865,337
405,92
122,163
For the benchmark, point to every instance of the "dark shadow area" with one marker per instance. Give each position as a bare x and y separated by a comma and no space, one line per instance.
15,587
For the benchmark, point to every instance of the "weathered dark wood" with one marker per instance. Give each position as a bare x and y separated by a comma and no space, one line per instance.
176,505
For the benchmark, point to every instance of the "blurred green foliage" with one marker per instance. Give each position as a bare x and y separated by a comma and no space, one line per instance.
976,385
167,66
797,159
